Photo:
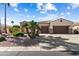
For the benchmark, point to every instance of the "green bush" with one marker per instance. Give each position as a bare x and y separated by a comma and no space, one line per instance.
17,34
14,28
76,32
2,38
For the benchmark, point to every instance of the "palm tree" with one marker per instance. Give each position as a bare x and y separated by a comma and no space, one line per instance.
5,15
12,22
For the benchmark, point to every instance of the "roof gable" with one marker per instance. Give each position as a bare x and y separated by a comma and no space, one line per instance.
62,22
62,19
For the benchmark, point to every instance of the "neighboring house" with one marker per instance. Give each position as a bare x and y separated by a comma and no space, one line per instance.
59,26
76,26
23,29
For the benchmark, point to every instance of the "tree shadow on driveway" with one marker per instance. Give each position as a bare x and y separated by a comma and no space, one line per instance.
54,42
49,42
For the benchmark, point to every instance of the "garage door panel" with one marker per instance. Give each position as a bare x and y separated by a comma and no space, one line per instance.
44,29
60,29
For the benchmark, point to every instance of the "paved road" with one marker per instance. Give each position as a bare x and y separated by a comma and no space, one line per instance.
35,53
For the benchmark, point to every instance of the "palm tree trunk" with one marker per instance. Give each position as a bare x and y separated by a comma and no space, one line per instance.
5,27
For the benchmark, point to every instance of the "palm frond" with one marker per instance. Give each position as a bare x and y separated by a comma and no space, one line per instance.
8,4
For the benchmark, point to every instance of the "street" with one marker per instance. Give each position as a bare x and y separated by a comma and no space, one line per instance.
36,53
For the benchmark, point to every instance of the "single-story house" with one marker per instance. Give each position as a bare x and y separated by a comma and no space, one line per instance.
59,26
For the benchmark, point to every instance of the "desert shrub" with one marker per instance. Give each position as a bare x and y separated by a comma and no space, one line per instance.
17,34
15,28
10,29
76,32
2,38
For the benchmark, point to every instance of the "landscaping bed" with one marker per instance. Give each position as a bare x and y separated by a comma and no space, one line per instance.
17,41
7,44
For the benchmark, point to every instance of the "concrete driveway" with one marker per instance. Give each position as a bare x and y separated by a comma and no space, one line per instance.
71,37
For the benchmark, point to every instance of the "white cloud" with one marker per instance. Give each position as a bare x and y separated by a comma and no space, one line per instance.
33,16
20,14
26,10
68,7
74,5
63,17
27,16
68,13
31,4
14,4
43,12
39,6
61,14
45,7
51,15
16,9
48,17
50,6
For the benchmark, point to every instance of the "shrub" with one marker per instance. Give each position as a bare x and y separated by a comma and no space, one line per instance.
2,38
10,29
14,28
17,34
75,32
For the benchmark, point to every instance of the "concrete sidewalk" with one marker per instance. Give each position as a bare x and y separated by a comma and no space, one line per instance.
32,48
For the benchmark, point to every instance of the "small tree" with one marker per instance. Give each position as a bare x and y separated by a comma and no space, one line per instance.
12,22
32,29
75,31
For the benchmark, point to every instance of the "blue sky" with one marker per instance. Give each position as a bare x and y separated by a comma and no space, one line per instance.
39,12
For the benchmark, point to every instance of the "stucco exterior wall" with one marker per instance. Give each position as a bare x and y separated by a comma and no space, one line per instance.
75,27
60,22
